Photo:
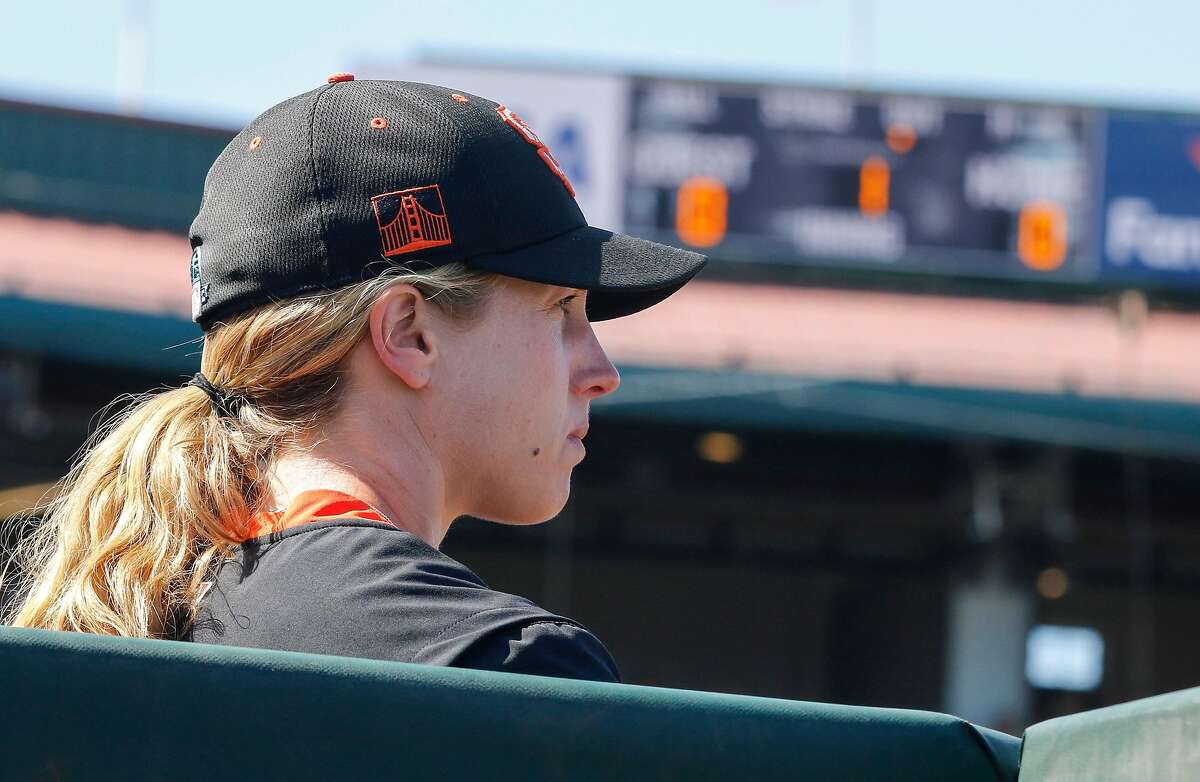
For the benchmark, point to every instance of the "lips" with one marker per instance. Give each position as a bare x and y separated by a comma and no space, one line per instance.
579,432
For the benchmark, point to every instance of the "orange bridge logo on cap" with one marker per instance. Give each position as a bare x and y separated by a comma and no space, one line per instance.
411,220
543,151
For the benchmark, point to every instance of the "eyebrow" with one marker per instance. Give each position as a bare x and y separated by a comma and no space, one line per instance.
559,291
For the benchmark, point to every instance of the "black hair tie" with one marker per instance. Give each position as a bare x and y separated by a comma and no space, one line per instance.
226,404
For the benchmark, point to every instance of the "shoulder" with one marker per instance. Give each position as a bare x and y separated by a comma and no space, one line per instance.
349,552
366,589
343,586
542,645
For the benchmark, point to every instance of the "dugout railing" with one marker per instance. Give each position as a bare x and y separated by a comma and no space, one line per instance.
84,707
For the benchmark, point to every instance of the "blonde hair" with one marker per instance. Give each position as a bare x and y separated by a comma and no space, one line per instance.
146,510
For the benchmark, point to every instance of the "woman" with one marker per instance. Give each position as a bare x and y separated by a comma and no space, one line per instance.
396,288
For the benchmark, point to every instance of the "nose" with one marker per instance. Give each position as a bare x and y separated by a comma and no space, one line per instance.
595,376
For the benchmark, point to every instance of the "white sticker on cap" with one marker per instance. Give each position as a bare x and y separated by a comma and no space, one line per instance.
199,289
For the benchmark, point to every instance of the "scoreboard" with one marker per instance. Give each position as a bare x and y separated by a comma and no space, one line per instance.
823,177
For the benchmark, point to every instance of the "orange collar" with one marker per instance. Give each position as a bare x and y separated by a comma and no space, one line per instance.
309,506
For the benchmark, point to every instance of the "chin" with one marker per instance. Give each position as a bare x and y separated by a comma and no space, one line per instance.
535,511
525,495
538,516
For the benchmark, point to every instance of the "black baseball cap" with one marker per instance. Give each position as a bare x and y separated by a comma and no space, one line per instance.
335,185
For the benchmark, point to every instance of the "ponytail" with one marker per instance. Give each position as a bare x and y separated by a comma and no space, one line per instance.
162,491
136,522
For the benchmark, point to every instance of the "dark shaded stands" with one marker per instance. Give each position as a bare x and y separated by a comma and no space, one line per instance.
821,565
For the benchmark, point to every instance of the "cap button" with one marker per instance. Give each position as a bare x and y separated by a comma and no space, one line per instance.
340,77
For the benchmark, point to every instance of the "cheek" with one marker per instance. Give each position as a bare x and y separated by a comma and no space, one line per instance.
514,396
538,394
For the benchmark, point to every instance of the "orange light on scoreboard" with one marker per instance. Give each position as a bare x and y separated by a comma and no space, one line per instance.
874,181
701,211
901,138
1042,236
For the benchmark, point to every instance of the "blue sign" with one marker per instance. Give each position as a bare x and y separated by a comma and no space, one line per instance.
1150,217
571,152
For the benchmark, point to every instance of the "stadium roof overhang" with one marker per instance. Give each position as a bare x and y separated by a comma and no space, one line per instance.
725,398
716,354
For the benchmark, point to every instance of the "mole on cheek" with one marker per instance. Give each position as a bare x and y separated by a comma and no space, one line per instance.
536,451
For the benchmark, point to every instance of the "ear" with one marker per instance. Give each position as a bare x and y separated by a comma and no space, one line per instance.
402,334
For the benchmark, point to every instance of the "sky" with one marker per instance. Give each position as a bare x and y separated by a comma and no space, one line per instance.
221,63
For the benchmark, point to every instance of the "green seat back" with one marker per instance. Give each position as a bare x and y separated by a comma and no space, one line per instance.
1152,739
85,707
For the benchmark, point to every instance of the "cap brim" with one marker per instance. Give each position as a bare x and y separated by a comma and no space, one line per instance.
622,274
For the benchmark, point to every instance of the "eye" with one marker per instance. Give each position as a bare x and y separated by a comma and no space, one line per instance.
565,302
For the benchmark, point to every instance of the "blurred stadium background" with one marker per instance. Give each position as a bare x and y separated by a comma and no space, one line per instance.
925,434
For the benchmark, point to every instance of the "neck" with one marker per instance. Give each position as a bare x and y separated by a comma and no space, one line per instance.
402,483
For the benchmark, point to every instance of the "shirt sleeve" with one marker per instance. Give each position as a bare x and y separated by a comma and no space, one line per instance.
542,648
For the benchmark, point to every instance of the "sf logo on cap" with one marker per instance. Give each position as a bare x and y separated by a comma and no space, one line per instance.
527,133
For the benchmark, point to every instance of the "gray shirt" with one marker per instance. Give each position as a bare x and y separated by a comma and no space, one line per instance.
362,588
